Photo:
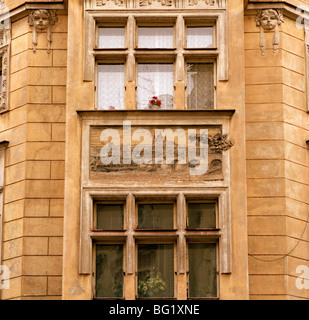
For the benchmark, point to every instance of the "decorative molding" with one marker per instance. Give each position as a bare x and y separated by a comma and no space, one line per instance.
210,3
101,3
5,39
306,27
41,20
166,3
269,19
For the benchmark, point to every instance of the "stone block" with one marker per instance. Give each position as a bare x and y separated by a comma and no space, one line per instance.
265,168
18,98
34,286
266,225
38,132
55,246
59,94
44,188
42,265
46,113
263,268
15,154
54,286
13,229
39,94
14,291
20,27
293,62
20,44
265,150
267,245
257,75
14,265
266,187
47,76
57,170
58,132
268,284
15,173
38,170
45,151
265,131
12,249
59,58
13,210
43,227
40,59
264,93
18,79
36,207
19,61
266,206
15,191
56,207
35,246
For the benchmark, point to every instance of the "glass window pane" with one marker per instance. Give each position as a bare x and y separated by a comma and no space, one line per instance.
200,86
155,80
155,270
110,216
110,86
199,37
202,270
109,38
156,37
109,271
201,215
155,216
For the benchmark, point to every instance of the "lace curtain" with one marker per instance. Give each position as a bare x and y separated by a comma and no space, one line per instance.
111,38
110,86
159,38
199,37
200,86
155,80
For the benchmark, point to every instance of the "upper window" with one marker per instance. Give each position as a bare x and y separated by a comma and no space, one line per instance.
199,37
159,61
156,38
111,38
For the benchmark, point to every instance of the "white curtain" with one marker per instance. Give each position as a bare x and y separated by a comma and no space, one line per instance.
158,38
199,37
155,80
110,86
111,38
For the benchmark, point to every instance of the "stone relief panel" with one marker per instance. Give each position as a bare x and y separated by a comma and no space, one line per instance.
5,39
205,4
110,3
156,3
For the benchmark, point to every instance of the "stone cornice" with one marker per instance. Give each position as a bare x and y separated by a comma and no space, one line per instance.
15,7
289,7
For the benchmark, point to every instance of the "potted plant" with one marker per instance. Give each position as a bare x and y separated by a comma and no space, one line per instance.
154,103
151,284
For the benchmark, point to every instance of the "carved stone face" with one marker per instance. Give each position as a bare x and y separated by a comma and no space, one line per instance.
269,19
41,19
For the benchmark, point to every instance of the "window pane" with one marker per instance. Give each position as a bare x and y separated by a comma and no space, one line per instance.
155,216
200,86
201,215
111,38
110,216
156,37
156,271
155,80
109,271
199,37
202,270
110,86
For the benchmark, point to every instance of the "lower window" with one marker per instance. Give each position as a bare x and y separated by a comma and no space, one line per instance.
155,277
109,271
202,270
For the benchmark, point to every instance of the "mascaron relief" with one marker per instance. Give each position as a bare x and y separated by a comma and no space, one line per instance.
100,3
42,20
269,19
149,2
207,2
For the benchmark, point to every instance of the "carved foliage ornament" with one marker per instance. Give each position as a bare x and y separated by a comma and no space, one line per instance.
207,2
269,19
5,40
100,3
42,20
167,3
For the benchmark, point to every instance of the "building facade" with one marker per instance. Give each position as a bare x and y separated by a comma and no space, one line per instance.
154,149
